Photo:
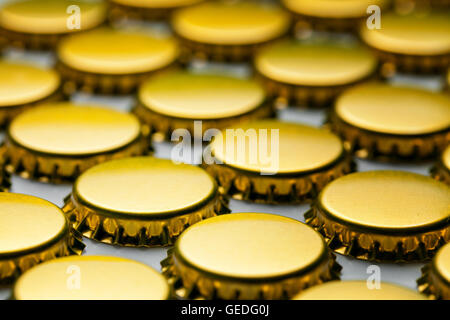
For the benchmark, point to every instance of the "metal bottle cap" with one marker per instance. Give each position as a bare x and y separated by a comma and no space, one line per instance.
329,15
358,290
313,72
441,171
33,230
220,30
146,10
248,256
418,42
383,215
392,122
56,142
23,85
96,61
298,164
101,278
40,24
176,99
142,201
435,280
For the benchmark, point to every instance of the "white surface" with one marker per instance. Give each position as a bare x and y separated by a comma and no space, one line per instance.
405,274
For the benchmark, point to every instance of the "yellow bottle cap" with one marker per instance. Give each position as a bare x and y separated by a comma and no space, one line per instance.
435,280
277,161
146,10
383,215
23,85
96,60
176,99
312,72
358,290
441,171
33,230
56,142
392,122
405,6
39,24
91,278
248,256
418,42
228,30
331,15
142,201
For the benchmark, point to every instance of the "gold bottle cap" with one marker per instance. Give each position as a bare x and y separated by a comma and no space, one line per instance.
435,280
156,3
175,99
358,290
279,161
96,60
39,24
91,278
412,43
312,72
331,8
142,201
146,10
392,122
383,215
228,30
56,142
441,171
248,256
329,14
23,85
33,230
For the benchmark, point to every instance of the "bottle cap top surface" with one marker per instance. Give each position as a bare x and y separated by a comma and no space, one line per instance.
101,278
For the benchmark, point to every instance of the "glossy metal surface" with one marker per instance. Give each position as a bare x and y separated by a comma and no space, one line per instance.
394,109
315,63
199,96
49,16
28,223
392,201
415,34
109,51
144,186
67,129
250,246
100,278
358,290
332,8
442,263
301,148
232,23
22,83
446,158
